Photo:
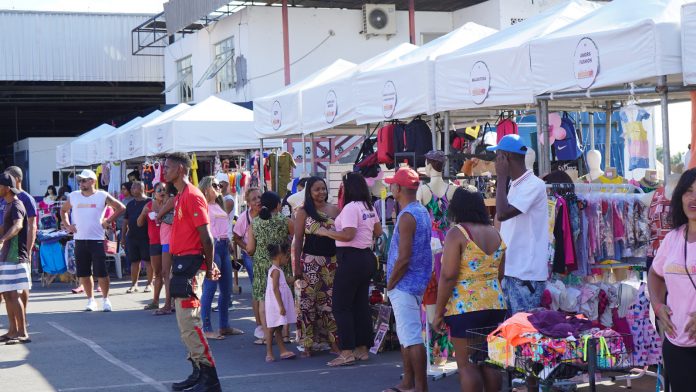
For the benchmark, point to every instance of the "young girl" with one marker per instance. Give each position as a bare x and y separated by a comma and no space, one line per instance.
280,306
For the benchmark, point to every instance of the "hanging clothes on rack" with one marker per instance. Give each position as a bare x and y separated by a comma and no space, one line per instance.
194,169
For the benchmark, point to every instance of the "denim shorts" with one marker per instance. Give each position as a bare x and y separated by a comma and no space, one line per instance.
522,295
407,313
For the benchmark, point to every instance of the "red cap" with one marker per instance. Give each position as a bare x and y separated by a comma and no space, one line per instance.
405,177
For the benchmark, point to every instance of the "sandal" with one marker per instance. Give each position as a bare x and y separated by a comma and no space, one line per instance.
214,337
363,357
78,290
260,342
151,306
14,341
269,359
288,355
286,340
231,331
133,289
5,338
162,312
342,361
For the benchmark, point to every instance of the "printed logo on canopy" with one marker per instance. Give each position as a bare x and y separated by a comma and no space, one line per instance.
159,139
276,115
331,109
480,82
388,99
586,63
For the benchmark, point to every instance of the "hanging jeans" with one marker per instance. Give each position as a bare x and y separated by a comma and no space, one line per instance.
224,263
351,291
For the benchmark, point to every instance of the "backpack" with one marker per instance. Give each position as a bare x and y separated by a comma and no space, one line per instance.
567,149
416,137
367,162
385,144
505,126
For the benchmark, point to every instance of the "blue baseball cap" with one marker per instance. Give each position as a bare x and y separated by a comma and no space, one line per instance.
510,143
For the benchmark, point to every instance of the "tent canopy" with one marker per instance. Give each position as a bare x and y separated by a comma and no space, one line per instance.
132,140
405,87
331,103
211,125
111,144
80,151
621,42
494,71
688,28
280,113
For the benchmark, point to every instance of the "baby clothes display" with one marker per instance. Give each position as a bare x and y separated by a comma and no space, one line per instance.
647,343
660,222
632,117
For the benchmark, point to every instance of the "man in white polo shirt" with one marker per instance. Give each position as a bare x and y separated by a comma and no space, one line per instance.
524,216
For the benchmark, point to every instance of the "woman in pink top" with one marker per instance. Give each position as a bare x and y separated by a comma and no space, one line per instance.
165,217
356,227
673,277
218,228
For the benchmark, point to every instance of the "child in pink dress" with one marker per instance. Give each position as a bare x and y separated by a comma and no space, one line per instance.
279,303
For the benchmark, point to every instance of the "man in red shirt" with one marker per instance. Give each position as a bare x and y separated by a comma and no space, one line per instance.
192,245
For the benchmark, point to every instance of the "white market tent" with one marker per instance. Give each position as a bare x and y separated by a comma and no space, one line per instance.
688,29
495,70
211,125
332,103
111,144
621,42
79,151
280,113
132,140
405,87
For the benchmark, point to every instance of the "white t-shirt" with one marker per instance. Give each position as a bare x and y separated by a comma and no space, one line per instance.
355,215
87,214
527,234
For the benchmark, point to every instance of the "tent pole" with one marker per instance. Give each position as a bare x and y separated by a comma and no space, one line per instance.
591,132
313,152
304,155
664,105
544,163
433,132
412,21
262,182
607,137
446,174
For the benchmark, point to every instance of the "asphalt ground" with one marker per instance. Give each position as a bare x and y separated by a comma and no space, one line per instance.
131,350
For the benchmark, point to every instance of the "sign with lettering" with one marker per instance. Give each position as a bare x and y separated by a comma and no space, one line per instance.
388,99
331,109
276,115
480,82
586,63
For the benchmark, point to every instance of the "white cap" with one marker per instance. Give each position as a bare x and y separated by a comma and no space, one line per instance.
222,177
87,174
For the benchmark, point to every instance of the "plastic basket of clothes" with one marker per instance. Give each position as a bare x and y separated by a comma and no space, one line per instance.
556,346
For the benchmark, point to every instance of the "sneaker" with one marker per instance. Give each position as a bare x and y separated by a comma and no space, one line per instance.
91,305
107,305
258,332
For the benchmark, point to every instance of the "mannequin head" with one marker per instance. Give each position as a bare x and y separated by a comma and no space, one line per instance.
529,159
594,160
434,163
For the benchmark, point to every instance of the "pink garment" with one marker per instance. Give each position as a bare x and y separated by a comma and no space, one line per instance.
108,211
273,316
218,221
669,263
240,228
165,233
568,246
357,216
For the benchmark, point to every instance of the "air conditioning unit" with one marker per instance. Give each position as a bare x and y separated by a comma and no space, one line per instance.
379,19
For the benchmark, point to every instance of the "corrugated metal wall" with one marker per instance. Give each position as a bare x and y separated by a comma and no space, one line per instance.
181,13
52,46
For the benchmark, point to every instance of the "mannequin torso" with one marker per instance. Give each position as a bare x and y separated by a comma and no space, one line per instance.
437,186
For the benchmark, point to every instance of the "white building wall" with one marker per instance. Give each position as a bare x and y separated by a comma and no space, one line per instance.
55,46
487,14
259,37
522,9
42,161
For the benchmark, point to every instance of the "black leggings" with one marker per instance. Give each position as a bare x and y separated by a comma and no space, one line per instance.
679,365
351,306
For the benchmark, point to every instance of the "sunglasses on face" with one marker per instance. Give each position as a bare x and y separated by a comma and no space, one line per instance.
81,180
216,186
159,190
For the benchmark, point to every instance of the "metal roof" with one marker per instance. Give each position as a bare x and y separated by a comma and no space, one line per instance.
420,5
73,47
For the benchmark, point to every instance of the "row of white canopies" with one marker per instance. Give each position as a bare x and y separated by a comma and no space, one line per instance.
211,125
575,50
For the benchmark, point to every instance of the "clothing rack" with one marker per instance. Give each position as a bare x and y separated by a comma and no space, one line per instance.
607,188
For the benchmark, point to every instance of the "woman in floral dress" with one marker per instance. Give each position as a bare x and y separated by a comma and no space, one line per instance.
269,227
315,265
